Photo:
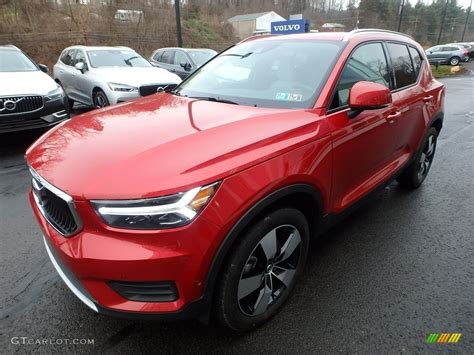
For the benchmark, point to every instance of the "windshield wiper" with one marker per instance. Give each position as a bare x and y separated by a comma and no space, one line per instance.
129,60
213,99
242,56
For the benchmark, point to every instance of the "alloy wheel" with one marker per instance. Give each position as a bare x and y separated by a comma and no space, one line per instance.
426,157
101,100
269,270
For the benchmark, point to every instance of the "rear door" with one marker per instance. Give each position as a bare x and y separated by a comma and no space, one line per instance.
363,147
409,96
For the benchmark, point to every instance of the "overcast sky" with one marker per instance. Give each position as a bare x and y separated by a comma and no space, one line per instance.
464,3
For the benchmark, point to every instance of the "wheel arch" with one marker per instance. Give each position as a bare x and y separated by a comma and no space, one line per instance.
303,197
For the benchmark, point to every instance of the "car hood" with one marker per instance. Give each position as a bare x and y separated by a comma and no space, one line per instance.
137,76
163,144
25,83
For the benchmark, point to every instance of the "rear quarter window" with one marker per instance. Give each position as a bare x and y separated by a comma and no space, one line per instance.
416,59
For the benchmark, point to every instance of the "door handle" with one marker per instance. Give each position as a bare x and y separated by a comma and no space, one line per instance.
393,116
428,99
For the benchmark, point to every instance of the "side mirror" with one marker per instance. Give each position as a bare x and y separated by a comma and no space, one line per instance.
82,67
186,66
43,68
366,95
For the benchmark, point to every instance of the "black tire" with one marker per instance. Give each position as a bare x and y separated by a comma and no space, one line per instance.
250,311
100,99
414,174
454,61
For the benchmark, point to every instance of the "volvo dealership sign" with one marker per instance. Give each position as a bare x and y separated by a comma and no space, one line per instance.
290,26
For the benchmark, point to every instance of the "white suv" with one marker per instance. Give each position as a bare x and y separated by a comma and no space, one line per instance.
29,98
102,76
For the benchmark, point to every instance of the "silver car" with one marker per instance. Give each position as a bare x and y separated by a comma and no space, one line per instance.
447,54
102,76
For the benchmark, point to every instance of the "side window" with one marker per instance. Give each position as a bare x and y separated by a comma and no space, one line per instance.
367,63
180,57
167,57
403,70
416,59
66,57
80,57
157,56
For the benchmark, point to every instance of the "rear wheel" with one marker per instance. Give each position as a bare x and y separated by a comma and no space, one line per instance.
100,99
454,61
414,175
262,270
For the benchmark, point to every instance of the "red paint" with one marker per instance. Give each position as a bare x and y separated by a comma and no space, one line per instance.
367,95
165,144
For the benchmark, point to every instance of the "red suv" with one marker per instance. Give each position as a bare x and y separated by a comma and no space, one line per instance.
202,201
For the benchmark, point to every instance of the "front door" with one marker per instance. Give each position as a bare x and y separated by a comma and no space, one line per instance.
363,147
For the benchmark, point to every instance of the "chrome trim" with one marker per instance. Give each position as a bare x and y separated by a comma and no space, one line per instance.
62,195
88,302
60,114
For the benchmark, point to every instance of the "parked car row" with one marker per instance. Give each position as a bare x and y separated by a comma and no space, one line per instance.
91,76
451,53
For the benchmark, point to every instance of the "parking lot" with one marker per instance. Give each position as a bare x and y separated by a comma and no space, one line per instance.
396,270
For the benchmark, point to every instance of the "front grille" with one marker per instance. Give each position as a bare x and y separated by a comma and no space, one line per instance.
55,206
20,104
146,90
160,291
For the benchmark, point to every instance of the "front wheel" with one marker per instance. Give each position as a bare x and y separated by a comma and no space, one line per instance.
414,175
454,61
100,99
262,270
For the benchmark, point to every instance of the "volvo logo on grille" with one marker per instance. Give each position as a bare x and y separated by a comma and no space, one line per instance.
9,104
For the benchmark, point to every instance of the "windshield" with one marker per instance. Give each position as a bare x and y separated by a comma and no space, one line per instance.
267,73
15,61
201,57
116,58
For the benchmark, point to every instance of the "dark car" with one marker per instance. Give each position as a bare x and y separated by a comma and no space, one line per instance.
29,98
181,61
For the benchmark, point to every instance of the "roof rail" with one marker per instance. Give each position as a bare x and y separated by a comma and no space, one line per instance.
10,46
362,30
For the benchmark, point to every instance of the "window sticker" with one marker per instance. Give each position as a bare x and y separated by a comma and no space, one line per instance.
286,96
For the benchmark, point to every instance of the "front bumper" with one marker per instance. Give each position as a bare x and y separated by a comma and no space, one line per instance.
90,260
52,113
192,311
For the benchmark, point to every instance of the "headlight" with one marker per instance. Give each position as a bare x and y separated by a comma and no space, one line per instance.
156,213
56,94
122,87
